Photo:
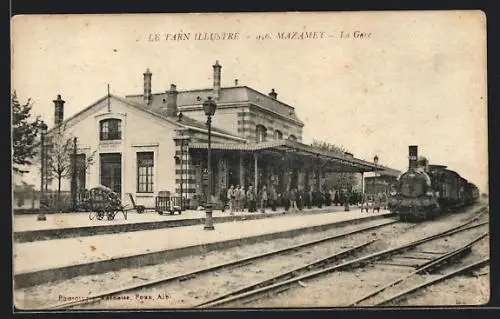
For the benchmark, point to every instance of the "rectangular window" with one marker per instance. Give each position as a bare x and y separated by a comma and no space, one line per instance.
111,129
145,166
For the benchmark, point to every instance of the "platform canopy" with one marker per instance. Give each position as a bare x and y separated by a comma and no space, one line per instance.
293,150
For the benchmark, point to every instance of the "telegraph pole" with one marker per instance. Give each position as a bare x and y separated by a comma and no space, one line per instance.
74,184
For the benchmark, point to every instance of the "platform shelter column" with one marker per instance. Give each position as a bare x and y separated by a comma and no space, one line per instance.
256,170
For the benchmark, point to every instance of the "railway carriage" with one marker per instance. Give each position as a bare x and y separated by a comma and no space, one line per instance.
426,191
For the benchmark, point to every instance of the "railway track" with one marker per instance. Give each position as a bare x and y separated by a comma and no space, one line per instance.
228,265
429,267
285,281
464,269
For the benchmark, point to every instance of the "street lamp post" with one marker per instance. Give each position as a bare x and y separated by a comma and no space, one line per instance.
41,215
209,106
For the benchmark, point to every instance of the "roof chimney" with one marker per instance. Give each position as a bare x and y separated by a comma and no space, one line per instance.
58,110
413,155
235,82
217,67
172,100
147,87
273,94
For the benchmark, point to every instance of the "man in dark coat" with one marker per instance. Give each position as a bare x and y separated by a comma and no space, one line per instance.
328,198
252,199
308,198
299,198
318,198
285,197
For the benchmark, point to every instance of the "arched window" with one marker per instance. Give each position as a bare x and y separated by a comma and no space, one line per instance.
260,133
292,138
110,129
278,135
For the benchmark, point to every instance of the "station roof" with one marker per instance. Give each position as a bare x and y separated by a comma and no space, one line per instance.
228,95
335,161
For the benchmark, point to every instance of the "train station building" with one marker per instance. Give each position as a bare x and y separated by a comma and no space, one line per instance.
157,142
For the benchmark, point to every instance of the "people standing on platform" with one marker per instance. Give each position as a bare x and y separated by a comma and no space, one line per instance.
286,199
243,195
377,202
318,198
385,200
231,196
273,197
347,200
251,199
223,198
327,198
294,195
309,198
238,198
336,198
263,197
300,198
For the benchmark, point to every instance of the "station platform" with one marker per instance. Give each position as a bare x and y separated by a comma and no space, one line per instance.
66,225
50,260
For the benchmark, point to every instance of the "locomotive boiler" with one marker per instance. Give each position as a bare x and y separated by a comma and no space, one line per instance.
426,191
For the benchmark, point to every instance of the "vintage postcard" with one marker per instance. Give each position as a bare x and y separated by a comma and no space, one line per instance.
249,160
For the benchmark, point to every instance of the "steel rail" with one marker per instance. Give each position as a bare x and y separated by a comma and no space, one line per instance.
422,268
192,274
291,273
469,267
346,265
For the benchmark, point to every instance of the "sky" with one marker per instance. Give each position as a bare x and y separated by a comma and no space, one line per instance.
414,78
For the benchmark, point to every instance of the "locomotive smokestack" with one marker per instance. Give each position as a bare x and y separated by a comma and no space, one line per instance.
413,155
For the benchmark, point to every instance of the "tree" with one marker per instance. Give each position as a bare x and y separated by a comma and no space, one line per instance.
340,149
337,180
24,134
59,156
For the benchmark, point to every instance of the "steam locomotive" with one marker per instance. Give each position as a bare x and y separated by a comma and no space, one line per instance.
426,191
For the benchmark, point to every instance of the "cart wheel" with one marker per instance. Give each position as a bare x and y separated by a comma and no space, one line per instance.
100,215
